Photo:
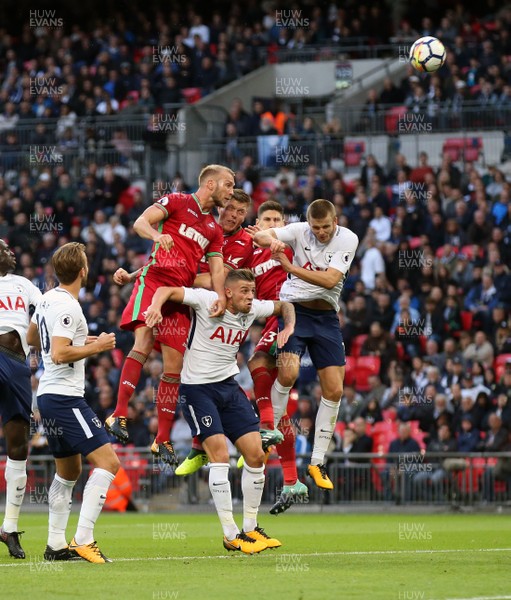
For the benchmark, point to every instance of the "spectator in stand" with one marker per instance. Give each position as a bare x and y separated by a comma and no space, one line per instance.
390,94
372,262
380,343
371,168
496,441
400,449
429,483
351,406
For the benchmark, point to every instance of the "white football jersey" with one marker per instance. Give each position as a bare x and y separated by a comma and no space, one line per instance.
59,314
314,256
17,294
213,343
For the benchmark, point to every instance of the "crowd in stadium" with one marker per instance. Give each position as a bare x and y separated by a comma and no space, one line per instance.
430,291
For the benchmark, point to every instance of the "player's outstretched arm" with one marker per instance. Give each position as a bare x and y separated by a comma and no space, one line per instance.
203,280
287,311
144,227
153,314
122,277
218,273
63,352
327,279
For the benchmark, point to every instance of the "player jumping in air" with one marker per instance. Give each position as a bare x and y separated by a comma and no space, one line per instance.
17,295
59,329
213,403
183,231
323,253
269,277
238,253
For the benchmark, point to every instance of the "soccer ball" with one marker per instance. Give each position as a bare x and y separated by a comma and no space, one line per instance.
427,54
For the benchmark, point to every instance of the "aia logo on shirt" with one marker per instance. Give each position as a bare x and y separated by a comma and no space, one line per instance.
8,303
310,267
229,336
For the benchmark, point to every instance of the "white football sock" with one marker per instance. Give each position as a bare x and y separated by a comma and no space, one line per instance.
59,501
220,489
325,425
16,480
279,400
252,485
94,497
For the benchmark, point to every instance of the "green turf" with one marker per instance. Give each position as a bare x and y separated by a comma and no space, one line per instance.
351,557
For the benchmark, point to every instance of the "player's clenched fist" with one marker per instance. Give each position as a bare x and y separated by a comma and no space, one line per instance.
165,240
105,341
277,246
121,277
153,316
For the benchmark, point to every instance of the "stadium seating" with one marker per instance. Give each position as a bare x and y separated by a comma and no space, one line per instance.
392,118
466,320
356,345
351,365
468,149
365,367
353,153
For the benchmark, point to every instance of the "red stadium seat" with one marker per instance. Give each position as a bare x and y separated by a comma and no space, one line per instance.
340,428
468,148
356,344
353,153
466,320
501,360
349,375
191,94
392,117
414,242
117,357
365,367
388,415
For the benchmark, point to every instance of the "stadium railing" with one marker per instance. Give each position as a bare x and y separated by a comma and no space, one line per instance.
395,119
349,47
442,479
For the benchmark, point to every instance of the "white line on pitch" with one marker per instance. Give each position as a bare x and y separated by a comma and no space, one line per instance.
21,563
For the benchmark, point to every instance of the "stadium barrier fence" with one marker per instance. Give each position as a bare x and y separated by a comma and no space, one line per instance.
440,479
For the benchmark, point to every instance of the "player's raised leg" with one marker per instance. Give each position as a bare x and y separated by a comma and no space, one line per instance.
116,423
293,490
16,433
331,380
172,335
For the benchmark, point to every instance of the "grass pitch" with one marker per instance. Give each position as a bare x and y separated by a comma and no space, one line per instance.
180,556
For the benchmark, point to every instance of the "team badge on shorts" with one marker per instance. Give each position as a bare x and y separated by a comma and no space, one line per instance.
97,422
206,421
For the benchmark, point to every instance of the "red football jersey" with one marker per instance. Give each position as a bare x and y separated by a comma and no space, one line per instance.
237,250
195,234
269,275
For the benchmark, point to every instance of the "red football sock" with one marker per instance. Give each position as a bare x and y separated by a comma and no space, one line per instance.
263,380
287,451
130,376
166,402
196,445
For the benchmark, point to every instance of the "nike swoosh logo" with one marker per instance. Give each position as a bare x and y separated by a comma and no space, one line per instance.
307,248
325,431
215,484
102,497
21,489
